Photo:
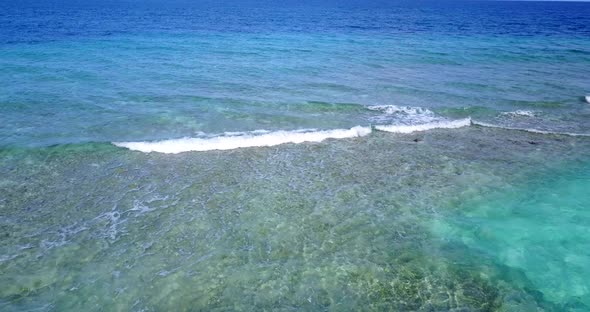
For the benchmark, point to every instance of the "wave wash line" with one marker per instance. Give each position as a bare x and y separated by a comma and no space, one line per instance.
254,139
240,141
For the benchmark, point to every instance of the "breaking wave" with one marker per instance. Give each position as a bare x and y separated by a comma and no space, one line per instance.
443,124
394,119
244,139
402,114
520,113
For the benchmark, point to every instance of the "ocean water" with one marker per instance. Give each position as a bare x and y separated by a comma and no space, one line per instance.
257,156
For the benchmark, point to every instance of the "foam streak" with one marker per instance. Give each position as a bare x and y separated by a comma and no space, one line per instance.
240,141
453,124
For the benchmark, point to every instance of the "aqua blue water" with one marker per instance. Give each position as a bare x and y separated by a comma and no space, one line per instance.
406,156
540,228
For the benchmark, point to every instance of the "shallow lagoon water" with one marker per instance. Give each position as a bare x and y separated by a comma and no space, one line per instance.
370,223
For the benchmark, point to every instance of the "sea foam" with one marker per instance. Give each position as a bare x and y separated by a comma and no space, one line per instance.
402,114
441,124
398,119
520,113
241,140
394,109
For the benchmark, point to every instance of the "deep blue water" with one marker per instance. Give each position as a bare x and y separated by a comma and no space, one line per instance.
441,164
41,21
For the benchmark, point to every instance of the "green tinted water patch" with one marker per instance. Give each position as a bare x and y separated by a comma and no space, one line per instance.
538,226
540,104
467,111
320,107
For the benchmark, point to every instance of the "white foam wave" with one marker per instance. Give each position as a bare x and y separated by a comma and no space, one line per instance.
242,140
521,113
402,114
394,109
588,99
441,124
487,125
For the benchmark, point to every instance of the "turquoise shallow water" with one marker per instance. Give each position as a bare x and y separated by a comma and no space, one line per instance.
162,86
539,227
430,156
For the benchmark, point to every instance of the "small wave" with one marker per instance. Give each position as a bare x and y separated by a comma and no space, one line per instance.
394,109
520,113
241,140
448,124
587,99
393,114
487,125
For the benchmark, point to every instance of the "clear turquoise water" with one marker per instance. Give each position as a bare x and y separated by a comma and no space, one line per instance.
491,216
539,228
